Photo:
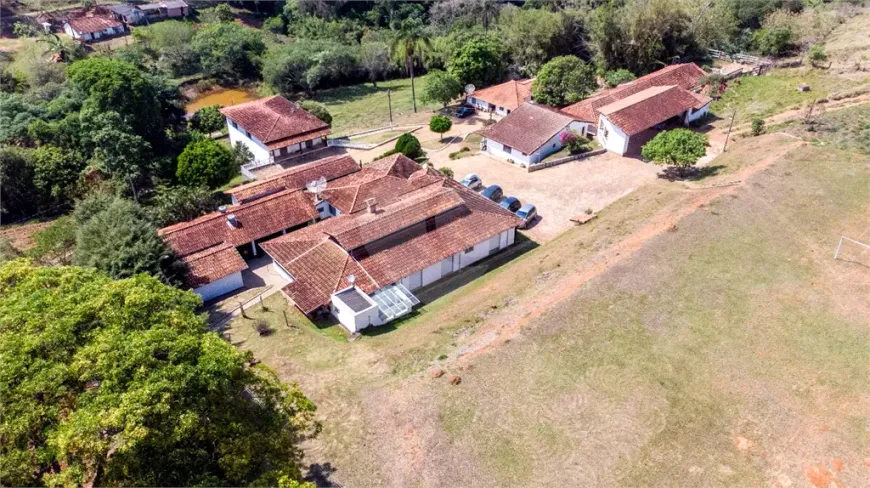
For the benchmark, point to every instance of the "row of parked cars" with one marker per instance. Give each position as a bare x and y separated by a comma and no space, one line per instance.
527,212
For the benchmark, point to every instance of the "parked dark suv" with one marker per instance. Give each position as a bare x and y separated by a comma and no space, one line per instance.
493,192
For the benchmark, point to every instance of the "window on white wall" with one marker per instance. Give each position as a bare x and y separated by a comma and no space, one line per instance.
507,149
469,250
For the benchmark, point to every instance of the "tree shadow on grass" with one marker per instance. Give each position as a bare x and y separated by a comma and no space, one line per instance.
673,173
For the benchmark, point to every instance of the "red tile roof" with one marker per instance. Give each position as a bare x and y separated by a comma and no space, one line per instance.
528,127
296,177
649,107
385,180
416,230
96,23
276,121
255,220
212,264
510,94
685,76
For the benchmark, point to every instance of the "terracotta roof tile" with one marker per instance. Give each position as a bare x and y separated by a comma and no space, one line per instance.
418,229
528,127
686,76
255,220
212,264
91,24
647,108
296,177
510,94
276,121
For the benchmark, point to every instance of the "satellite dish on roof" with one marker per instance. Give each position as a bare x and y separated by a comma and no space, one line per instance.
317,186
469,89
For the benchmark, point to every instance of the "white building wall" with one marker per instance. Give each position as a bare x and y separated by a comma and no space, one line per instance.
220,287
474,254
432,274
354,321
259,150
611,137
282,272
497,149
484,106
693,115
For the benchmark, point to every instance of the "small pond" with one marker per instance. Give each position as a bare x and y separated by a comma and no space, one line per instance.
220,96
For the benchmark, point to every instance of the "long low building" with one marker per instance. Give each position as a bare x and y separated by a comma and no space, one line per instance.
397,227
214,245
618,116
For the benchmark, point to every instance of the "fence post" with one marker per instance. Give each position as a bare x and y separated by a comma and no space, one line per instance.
242,309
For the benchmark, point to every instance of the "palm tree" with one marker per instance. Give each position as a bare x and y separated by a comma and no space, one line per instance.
486,10
409,42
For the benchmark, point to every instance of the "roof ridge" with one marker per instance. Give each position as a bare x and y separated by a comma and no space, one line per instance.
269,134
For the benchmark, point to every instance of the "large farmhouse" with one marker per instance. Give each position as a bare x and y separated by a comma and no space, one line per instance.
502,99
274,128
213,245
398,227
625,117
529,134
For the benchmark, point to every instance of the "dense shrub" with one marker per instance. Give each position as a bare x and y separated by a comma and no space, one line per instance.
618,77
318,110
757,126
206,163
409,145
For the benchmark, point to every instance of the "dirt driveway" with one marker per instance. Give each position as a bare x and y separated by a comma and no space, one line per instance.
560,192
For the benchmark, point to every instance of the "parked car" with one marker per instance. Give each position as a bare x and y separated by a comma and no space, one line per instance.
464,111
527,212
511,203
472,181
493,192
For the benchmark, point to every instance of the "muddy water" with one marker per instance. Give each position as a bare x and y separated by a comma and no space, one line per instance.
221,96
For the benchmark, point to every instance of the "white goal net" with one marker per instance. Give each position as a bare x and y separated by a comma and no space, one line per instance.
853,251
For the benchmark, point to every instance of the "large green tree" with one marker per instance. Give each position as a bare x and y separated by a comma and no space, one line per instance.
531,36
681,148
228,50
564,80
19,197
478,62
117,237
119,383
206,163
112,85
440,87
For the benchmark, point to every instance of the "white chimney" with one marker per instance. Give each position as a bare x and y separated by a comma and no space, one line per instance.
231,221
222,209
372,205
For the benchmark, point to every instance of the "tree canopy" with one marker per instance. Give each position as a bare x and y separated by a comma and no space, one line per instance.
564,80
677,147
119,383
206,163
440,87
228,50
440,124
318,110
478,62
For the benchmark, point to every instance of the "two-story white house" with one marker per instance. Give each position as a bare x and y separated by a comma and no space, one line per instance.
274,128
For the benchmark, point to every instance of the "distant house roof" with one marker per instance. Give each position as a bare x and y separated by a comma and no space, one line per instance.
276,121
410,231
528,127
122,9
212,264
296,177
91,24
169,4
649,107
685,76
510,94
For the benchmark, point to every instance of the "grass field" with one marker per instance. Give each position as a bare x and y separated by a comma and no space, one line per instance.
363,106
732,351
761,96
848,128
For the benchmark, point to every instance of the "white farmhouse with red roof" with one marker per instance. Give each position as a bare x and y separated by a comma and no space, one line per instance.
501,99
91,27
530,133
274,128
625,116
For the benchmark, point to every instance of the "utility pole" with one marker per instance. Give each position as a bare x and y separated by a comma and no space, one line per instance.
725,146
390,104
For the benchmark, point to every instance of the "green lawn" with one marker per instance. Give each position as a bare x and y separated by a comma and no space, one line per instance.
735,324
379,137
848,128
761,96
359,107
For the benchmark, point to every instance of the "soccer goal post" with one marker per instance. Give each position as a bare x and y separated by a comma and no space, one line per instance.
852,250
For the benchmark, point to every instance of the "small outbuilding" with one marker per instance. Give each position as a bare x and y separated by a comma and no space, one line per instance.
530,133
93,27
